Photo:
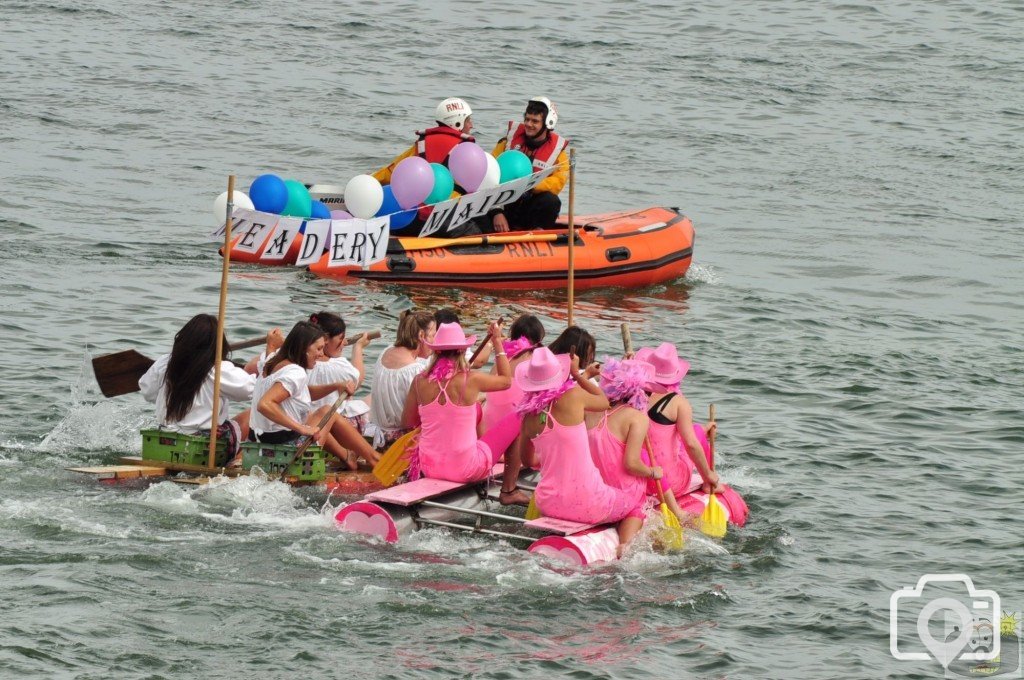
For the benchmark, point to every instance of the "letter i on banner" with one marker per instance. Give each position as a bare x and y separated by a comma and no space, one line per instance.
280,241
313,240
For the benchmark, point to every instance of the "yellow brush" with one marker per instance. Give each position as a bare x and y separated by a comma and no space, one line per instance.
531,510
395,460
712,521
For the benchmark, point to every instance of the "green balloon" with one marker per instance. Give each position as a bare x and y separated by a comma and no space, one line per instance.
513,165
299,202
443,185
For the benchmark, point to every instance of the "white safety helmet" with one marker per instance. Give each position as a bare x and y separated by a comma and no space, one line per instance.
552,118
453,112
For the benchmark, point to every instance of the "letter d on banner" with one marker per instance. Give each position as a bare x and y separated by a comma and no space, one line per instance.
313,242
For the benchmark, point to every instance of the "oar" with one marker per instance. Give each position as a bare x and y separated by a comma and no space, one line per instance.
627,341
571,284
428,243
672,535
395,462
712,520
119,373
307,440
219,353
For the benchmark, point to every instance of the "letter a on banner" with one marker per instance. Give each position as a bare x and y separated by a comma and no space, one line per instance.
313,242
281,240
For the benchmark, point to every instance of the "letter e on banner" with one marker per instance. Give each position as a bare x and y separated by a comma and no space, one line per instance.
253,235
313,242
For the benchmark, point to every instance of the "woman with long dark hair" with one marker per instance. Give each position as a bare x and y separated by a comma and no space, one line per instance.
282,400
181,384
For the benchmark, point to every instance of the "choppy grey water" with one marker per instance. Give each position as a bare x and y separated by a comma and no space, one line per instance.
854,173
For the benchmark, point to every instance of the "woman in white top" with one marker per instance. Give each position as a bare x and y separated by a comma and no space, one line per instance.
283,400
181,384
334,367
392,376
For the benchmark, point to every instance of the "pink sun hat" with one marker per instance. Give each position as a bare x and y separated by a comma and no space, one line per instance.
669,367
544,371
451,336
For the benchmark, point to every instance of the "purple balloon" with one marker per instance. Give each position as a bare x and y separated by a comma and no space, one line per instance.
468,165
340,215
412,181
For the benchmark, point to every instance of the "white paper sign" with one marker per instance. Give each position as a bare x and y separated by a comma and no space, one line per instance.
240,218
454,212
281,239
253,231
313,241
358,242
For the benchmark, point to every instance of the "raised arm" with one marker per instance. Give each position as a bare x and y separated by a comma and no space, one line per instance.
684,422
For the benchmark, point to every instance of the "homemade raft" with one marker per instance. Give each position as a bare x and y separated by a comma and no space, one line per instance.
627,248
393,513
168,454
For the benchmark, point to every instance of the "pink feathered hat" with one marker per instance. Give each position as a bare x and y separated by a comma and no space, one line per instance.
669,368
451,336
544,371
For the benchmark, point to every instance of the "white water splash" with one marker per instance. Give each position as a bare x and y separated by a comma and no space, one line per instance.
702,273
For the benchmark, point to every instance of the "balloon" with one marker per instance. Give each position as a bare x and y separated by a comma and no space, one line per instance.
514,164
268,194
220,205
443,185
403,219
412,181
299,202
389,204
468,165
363,196
340,215
320,211
493,176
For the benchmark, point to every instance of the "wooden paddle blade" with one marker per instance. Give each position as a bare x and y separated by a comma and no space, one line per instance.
395,460
532,512
119,373
712,520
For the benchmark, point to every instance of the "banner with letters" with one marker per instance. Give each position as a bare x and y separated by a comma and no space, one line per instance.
454,212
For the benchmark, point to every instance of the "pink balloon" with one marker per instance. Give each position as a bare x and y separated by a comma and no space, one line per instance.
412,181
468,165
340,215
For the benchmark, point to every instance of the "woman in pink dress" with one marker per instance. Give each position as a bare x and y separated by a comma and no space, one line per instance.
525,335
442,402
571,486
679,445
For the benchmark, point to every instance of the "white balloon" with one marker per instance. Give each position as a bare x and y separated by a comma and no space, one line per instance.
493,175
220,205
363,196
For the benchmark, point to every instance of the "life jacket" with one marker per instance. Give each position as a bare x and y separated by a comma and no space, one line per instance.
545,155
435,144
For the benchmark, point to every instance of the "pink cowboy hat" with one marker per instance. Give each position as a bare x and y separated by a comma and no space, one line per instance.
544,371
669,368
451,336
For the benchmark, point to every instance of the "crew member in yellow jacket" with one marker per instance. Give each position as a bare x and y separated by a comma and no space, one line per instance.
535,137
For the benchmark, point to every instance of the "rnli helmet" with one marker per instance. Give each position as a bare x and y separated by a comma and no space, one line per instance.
453,112
551,116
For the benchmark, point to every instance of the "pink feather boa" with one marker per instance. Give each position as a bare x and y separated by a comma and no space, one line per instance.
514,348
625,382
443,369
535,402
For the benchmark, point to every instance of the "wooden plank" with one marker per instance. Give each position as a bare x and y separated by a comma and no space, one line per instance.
182,467
414,492
121,471
558,526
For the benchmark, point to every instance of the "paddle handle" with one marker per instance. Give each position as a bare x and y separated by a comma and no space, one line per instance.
372,335
219,352
483,343
711,439
627,340
571,283
307,440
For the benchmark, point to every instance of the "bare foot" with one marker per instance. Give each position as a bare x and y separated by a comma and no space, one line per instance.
514,497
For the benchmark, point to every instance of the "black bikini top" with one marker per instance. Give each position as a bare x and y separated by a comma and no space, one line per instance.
654,412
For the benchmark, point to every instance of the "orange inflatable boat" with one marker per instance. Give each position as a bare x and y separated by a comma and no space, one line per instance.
629,249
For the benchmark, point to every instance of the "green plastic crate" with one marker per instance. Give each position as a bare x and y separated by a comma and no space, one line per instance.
174,447
271,458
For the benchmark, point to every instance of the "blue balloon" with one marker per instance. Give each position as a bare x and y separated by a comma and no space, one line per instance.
268,193
399,218
320,211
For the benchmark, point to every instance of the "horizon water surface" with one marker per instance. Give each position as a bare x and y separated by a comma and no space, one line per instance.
854,311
